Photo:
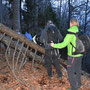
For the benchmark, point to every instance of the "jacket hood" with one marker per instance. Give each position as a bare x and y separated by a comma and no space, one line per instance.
73,29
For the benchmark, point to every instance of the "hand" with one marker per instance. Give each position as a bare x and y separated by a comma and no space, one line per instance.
51,44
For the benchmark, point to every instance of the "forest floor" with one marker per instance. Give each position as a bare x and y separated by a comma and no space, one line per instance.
36,78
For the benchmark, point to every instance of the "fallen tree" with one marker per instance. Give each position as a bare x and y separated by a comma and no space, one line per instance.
22,47
7,34
5,41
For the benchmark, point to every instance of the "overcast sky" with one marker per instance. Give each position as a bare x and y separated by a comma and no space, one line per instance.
56,3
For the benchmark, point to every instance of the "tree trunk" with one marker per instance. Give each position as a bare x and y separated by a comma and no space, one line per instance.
22,39
20,15
0,11
16,15
10,33
36,13
86,16
69,14
60,10
5,41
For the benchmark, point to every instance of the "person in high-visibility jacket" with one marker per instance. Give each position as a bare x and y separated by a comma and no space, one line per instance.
74,61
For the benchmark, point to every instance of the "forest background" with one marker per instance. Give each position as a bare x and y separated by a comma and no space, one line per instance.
32,15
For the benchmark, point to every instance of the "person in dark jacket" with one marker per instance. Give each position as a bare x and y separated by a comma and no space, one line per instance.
74,61
52,56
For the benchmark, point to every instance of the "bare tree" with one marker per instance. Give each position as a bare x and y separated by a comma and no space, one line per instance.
16,15
59,9
69,14
86,13
36,12
0,11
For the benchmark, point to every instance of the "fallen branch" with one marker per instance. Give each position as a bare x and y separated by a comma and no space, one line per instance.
6,40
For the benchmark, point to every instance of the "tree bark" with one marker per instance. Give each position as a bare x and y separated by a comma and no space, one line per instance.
0,11
69,14
19,37
6,40
20,15
60,6
86,16
16,15
36,13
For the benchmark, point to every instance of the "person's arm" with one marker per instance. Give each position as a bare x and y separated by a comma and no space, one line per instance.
63,44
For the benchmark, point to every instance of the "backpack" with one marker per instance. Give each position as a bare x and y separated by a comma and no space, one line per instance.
82,43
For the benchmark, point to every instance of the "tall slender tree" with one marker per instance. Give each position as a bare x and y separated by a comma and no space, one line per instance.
1,11
16,15
59,9
86,15
36,12
69,14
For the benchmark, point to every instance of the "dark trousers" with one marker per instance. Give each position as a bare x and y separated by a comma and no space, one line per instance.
74,72
52,59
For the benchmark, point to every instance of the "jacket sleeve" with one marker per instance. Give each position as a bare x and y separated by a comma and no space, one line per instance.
63,44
